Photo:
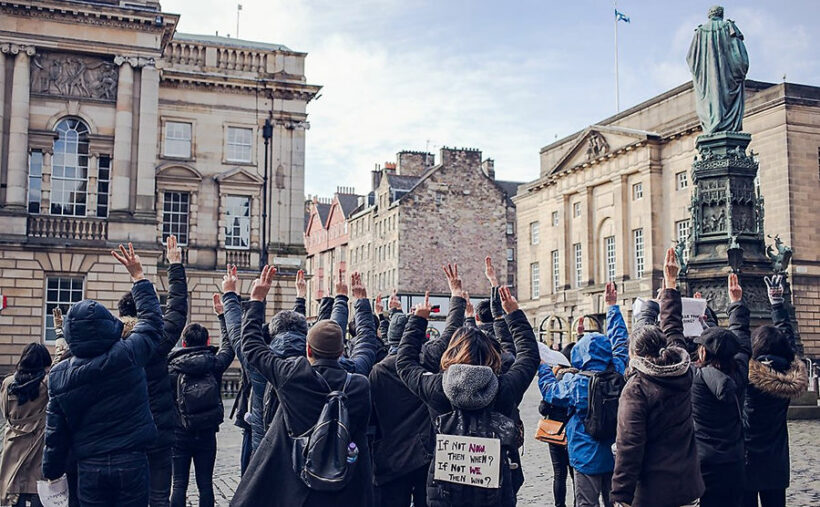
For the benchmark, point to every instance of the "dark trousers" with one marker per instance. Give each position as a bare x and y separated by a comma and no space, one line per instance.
28,499
560,467
113,480
768,498
247,450
199,448
588,488
724,484
401,491
159,466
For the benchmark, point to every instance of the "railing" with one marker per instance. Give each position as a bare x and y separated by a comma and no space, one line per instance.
63,227
186,53
241,59
241,258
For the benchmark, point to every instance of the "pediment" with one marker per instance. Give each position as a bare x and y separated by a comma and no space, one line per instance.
596,143
178,172
239,176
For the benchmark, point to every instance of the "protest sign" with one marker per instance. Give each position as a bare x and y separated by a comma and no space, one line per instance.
551,357
693,314
53,493
472,461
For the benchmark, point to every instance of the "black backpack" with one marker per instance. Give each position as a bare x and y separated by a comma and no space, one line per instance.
320,455
601,421
485,424
199,401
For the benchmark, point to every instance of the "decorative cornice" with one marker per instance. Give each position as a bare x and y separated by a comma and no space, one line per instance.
230,84
136,62
14,48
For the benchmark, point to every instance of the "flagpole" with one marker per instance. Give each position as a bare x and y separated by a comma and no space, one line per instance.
238,8
617,91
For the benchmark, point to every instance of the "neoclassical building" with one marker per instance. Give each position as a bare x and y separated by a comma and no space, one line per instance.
613,197
116,128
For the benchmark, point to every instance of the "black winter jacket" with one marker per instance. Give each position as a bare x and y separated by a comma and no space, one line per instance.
270,478
98,399
432,350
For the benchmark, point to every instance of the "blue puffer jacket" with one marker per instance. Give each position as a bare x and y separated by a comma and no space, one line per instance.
98,400
594,352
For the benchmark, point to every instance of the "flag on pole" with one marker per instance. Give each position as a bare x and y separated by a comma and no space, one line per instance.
239,7
620,16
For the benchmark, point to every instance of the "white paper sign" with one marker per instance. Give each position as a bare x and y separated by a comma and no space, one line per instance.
53,493
551,357
693,310
471,461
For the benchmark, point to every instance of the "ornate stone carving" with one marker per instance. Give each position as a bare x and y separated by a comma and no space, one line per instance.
69,75
13,49
714,220
596,145
781,255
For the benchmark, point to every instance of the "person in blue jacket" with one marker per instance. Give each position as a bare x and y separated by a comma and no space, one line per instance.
591,459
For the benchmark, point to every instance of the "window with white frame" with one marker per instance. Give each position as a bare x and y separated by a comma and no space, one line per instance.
61,292
35,181
175,211
177,139
510,228
103,185
535,281
637,246
554,218
69,168
681,180
637,191
239,146
579,265
576,209
609,252
556,273
682,233
535,233
238,222
510,254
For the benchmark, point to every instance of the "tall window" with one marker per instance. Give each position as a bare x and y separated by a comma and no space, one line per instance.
576,209
579,265
682,233
103,182
238,222
681,180
510,254
535,281
554,218
609,251
177,139
637,191
35,180
637,245
556,273
62,292
239,145
69,168
175,216
535,236
510,228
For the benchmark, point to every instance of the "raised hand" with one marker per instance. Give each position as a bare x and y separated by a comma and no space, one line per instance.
469,310
394,303
670,269
423,309
735,290
611,294
230,280
358,289
58,316
131,261
580,330
217,304
378,307
261,286
451,271
698,295
341,284
172,251
508,301
774,287
301,285
489,272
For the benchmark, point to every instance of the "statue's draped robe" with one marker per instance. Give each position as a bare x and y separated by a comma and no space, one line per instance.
718,61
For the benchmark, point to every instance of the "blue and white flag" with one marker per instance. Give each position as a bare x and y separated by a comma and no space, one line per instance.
620,16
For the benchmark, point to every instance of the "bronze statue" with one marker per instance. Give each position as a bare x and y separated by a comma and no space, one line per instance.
782,257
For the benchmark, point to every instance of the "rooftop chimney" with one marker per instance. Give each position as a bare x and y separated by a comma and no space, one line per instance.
414,163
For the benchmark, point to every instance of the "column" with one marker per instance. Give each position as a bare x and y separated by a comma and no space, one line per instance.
2,109
123,131
147,138
18,129
624,253
45,189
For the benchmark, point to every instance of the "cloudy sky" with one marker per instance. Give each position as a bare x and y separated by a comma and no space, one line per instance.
504,77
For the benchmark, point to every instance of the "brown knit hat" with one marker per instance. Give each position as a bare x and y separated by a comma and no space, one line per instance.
325,339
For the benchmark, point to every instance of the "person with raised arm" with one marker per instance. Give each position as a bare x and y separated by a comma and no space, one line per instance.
432,350
98,406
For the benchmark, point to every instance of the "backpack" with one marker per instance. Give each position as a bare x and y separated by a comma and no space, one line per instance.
601,421
485,424
320,455
199,401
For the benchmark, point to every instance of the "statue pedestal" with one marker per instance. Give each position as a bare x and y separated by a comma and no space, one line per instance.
726,204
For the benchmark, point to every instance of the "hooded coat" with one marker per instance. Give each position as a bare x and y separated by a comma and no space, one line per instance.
772,384
468,387
98,399
594,353
657,461
23,442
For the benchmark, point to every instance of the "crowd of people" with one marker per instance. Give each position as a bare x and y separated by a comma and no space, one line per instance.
339,413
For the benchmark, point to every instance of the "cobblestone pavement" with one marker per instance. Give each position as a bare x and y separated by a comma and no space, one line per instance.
537,489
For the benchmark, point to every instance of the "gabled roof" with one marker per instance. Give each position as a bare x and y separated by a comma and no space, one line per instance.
323,210
397,182
348,203
593,135
509,187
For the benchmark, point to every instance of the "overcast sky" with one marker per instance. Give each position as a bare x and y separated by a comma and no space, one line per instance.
504,77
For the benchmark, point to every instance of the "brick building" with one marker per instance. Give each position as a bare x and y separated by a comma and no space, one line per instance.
115,128
613,197
420,215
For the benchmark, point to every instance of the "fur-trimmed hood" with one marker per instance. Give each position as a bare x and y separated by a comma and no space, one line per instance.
646,365
788,384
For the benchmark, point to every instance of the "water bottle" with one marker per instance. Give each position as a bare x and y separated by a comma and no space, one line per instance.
352,453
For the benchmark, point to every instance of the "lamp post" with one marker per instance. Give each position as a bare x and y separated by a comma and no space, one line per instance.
267,134
735,254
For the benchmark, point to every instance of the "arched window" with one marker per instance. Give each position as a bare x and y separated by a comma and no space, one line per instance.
69,168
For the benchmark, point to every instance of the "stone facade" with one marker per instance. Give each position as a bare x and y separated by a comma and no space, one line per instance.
420,216
115,128
626,182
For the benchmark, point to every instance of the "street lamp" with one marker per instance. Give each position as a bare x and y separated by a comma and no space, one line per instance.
735,254
267,134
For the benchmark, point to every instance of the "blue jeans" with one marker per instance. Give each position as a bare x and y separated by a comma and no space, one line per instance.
114,480
199,448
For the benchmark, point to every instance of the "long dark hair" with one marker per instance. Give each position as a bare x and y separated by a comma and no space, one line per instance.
768,340
650,343
470,345
31,367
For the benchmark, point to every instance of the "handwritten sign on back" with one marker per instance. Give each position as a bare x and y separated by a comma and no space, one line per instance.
472,461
